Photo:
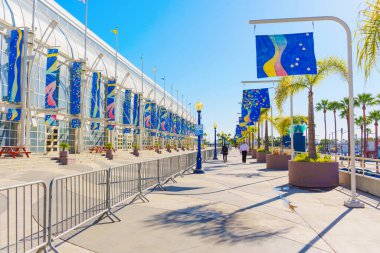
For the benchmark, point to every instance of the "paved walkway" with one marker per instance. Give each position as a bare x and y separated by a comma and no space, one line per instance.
236,207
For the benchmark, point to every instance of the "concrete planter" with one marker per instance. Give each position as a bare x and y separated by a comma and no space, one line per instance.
253,153
313,175
278,162
261,157
109,154
363,183
136,152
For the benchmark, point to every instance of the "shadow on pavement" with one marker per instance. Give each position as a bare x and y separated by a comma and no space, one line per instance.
173,188
204,222
247,175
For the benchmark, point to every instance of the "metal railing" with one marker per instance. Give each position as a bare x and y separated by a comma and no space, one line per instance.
23,217
27,225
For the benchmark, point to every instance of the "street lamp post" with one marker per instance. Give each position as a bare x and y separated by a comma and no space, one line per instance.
215,153
198,167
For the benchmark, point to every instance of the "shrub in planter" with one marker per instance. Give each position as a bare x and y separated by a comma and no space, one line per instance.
321,172
136,150
109,150
261,155
168,148
276,160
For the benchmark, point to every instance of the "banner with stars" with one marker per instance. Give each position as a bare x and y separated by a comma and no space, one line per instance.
75,95
16,43
163,119
127,107
253,101
285,55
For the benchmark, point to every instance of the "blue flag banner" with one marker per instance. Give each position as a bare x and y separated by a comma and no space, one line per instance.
174,124
95,95
76,123
285,55
148,114
136,110
153,117
51,120
126,131
127,107
76,79
111,93
163,119
14,114
253,101
51,88
95,125
111,127
16,44
170,122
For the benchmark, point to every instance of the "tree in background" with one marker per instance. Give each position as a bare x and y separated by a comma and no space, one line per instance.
323,106
334,106
344,109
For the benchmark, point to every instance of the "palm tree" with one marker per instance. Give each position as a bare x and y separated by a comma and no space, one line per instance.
323,106
369,39
364,100
334,106
344,113
264,118
290,85
359,121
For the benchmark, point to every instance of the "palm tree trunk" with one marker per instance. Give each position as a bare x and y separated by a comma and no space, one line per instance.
361,141
311,145
266,136
324,118
336,143
376,144
348,133
258,136
365,132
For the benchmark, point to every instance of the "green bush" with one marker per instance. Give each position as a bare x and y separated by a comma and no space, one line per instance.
304,157
64,146
108,145
261,150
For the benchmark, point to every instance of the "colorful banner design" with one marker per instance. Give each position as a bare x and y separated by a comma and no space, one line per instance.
127,107
111,93
95,125
136,110
95,95
14,114
16,44
285,55
163,119
174,124
253,101
51,88
111,127
51,120
76,123
126,131
169,122
148,114
158,115
153,117
76,79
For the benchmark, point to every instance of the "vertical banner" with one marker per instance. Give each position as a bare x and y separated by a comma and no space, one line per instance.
16,43
174,124
75,95
127,107
95,95
158,119
51,120
153,117
148,114
14,114
163,119
169,122
51,88
136,110
95,125
285,55
111,92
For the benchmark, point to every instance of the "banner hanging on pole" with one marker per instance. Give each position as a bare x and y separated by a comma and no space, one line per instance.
16,44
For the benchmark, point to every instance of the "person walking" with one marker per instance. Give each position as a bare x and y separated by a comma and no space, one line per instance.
243,151
225,153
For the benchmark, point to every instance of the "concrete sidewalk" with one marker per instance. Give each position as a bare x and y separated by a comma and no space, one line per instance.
236,207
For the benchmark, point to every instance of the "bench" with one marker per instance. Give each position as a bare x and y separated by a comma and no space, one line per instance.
14,151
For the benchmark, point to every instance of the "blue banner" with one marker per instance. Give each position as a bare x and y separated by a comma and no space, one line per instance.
16,44
51,120
285,55
51,88
14,114
127,107
76,123
163,119
136,110
95,95
153,117
76,79
111,93
253,101
95,125
148,114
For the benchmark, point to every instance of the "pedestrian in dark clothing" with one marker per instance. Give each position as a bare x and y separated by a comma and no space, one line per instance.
225,153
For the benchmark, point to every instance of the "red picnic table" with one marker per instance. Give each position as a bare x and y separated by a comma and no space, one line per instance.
98,149
14,151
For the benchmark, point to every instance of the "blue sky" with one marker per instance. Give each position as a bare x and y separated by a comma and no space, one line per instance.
205,48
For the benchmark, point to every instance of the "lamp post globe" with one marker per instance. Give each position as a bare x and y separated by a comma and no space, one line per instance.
215,144
198,167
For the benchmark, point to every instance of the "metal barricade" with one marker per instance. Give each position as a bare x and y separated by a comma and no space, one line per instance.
124,183
23,217
149,174
74,200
